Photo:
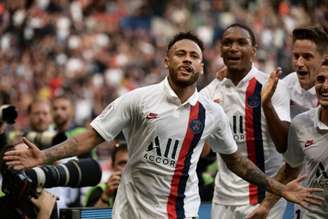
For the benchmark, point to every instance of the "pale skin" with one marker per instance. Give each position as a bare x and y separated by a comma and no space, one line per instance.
45,203
184,52
287,173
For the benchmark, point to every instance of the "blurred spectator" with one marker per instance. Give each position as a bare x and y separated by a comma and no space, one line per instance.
103,195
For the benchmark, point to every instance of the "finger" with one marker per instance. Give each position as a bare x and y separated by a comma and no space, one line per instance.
314,201
300,178
13,163
312,190
9,154
30,144
13,156
316,197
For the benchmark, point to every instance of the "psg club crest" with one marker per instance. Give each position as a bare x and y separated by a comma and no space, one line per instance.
254,101
196,126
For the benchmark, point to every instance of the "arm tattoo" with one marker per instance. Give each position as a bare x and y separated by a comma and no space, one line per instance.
247,170
67,148
251,173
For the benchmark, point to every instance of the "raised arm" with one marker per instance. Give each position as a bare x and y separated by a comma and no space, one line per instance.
33,156
247,170
278,129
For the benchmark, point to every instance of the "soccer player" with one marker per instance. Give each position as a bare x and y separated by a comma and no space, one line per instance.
307,152
165,125
310,45
259,119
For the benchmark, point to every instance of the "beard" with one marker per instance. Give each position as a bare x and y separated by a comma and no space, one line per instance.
183,81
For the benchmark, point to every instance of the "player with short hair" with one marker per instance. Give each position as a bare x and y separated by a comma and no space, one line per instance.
257,115
165,125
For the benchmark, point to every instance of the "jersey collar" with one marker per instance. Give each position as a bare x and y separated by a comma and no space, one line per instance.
300,90
317,123
248,76
173,98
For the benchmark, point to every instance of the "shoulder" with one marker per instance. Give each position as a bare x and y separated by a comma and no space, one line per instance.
210,105
304,118
260,76
290,79
210,89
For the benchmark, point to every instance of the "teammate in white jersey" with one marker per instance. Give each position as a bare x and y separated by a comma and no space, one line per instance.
309,48
165,125
256,121
307,151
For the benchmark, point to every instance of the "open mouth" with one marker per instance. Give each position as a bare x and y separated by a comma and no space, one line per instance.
186,68
233,59
302,72
324,95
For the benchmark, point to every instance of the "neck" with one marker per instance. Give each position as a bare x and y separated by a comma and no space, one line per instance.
183,92
324,115
237,75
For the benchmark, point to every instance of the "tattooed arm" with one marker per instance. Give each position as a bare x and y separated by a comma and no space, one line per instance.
33,156
73,146
285,175
247,170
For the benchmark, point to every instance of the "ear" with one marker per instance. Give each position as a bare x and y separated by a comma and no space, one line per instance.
202,70
166,62
253,51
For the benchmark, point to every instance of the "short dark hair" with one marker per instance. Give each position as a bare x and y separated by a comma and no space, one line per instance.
316,34
245,27
119,146
185,36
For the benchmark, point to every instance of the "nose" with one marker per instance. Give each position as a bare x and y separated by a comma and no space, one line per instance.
300,62
234,46
187,59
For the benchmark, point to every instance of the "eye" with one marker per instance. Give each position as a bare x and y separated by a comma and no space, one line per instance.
321,79
195,56
179,54
226,42
307,56
243,42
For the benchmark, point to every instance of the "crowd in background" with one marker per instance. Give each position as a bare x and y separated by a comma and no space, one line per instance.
95,50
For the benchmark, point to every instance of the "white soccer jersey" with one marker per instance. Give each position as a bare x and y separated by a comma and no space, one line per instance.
300,100
308,146
242,104
165,139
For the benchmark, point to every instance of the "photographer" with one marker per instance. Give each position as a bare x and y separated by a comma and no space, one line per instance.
103,195
12,206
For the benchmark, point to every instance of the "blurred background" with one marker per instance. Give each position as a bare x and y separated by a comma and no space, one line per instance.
96,50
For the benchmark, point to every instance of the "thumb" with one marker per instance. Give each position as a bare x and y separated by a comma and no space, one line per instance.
30,144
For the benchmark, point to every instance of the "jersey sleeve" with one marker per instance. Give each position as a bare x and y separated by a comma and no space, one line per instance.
116,116
221,140
281,101
294,155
